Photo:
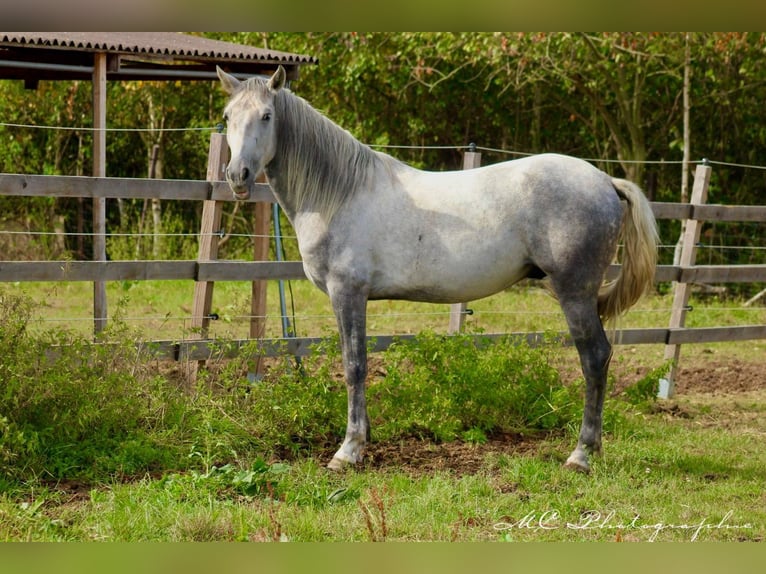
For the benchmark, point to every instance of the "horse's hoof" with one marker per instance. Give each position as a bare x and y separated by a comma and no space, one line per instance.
578,463
577,467
338,464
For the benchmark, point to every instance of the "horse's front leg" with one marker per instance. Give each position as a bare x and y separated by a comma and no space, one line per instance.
350,308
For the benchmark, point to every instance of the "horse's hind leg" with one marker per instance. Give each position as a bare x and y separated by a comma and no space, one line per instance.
595,353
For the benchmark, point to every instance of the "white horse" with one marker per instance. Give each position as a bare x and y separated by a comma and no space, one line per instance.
371,227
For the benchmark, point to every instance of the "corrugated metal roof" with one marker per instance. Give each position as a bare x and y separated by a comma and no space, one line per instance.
152,44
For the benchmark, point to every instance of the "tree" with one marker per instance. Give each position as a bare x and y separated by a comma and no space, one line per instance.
601,96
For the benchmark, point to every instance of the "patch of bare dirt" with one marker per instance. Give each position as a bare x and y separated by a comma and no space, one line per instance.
722,376
418,457
703,374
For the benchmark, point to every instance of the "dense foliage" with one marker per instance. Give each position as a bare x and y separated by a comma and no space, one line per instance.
72,409
601,96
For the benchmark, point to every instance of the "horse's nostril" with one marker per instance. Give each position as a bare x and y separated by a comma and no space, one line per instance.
245,173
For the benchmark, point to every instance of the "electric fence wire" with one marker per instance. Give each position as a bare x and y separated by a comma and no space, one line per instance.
384,146
117,130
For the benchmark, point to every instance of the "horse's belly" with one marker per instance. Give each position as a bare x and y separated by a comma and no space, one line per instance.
449,280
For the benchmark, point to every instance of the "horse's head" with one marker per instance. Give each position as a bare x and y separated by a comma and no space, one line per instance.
250,130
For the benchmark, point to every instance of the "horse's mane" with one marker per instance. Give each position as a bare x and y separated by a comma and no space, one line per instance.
320,164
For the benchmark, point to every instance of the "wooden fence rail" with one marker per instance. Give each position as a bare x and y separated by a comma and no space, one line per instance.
195,190
204,350
123,188
209,270
270,270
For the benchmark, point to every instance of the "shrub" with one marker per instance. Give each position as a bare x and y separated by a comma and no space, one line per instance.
295,408
72,409
447,386
643,393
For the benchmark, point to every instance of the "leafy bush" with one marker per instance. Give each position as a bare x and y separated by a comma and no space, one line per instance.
72,409
449,386
295,408
643,393
259,478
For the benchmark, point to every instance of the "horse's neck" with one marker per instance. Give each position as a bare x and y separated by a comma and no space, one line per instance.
277,182
319,165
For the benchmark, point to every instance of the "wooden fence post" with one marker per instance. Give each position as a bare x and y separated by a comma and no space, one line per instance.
99,170
208,246
471,159
682,289
261,230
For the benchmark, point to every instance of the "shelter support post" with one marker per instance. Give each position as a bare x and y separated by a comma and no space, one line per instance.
99,170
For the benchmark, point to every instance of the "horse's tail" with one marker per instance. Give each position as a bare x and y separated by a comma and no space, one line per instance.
639,260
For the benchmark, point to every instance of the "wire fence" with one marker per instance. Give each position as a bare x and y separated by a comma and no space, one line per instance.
467,147
327,318
218,128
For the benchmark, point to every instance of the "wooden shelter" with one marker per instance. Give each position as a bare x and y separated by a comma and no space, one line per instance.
103,56
35,56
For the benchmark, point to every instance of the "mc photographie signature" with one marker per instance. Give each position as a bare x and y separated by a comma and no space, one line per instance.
609,521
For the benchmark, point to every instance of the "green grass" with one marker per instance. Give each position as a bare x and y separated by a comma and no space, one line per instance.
103,445
658,480
162,310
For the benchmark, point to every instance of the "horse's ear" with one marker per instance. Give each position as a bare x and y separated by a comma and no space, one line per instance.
229,82
277,81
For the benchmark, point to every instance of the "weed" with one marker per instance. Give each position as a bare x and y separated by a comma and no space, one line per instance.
258,479
377,528
475,436
70,408
643,393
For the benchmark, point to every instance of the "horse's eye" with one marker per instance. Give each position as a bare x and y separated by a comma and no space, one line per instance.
266,117
226,118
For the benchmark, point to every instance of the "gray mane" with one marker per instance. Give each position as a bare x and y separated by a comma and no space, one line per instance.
318,164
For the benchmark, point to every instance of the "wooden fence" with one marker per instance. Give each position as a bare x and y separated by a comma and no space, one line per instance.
207,269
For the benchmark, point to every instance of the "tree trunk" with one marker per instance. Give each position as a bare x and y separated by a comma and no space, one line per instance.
687,144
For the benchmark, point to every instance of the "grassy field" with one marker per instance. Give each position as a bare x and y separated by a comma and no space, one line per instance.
136,459
662,478
162,310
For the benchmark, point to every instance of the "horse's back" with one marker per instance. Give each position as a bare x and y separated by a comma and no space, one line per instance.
533,195
537,178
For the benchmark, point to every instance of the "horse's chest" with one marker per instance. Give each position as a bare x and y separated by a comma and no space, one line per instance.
315,265
313,244
315,275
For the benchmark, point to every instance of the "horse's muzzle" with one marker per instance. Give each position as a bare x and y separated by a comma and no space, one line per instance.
240,178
